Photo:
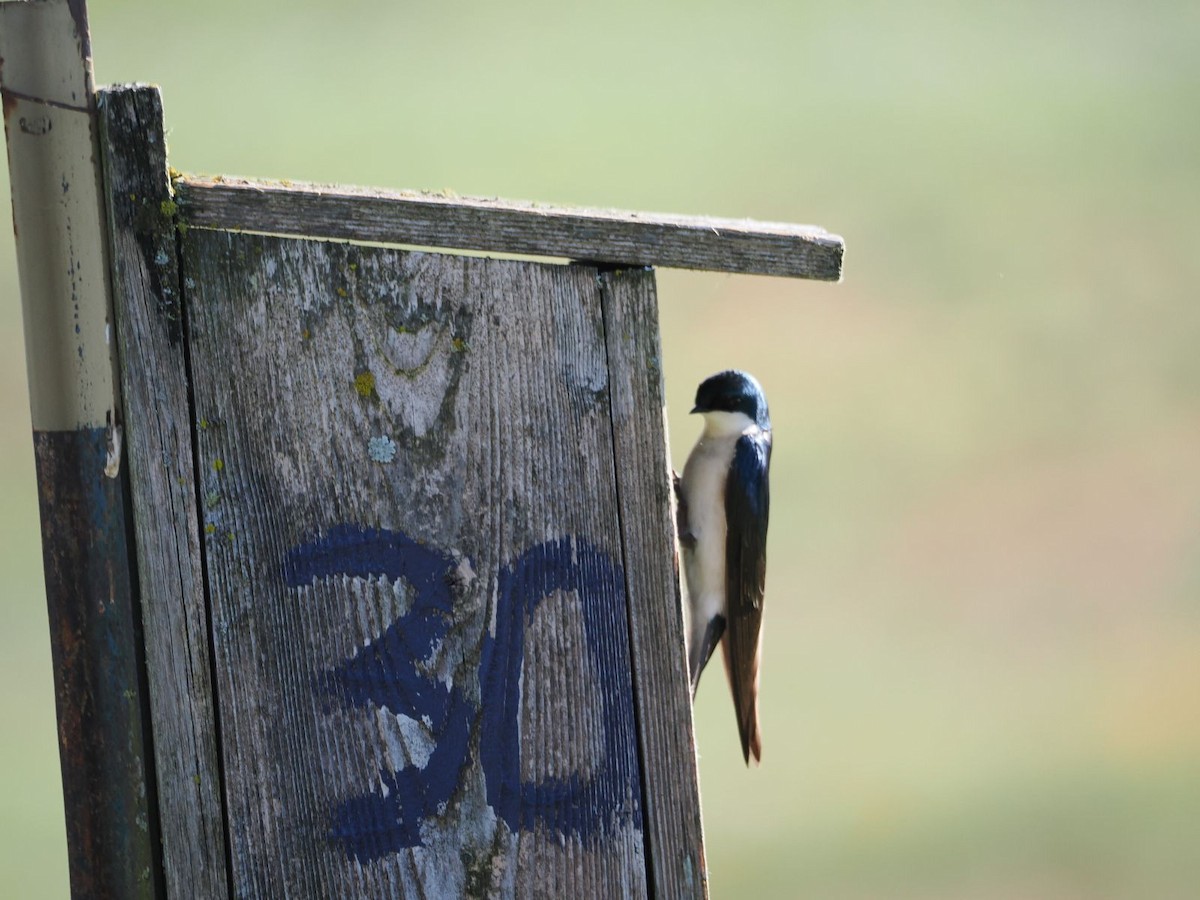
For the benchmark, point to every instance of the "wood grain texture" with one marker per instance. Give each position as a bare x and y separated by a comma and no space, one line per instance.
413,550
435,220
675,832
158,443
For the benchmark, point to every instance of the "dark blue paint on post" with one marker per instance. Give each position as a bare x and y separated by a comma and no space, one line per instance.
103,722
385,674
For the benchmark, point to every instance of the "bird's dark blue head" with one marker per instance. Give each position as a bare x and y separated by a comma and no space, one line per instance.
733,391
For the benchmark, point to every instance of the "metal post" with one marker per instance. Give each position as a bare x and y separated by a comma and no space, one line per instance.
50,123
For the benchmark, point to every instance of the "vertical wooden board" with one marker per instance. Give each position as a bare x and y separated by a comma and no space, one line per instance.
413,552
675,832
158,442
97,689
47,96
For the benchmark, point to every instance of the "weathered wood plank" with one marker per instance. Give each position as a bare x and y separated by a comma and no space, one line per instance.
675,832
414,557
58,219
97,690
500,226
158,441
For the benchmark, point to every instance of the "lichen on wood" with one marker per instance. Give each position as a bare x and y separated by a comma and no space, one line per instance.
421,628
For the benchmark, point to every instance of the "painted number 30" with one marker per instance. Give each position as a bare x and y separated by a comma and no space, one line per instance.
385,674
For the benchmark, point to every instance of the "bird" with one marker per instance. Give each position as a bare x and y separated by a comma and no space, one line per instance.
723,506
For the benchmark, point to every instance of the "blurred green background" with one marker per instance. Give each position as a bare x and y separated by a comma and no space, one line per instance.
982,665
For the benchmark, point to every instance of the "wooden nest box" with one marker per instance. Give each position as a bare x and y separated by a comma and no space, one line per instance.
399,610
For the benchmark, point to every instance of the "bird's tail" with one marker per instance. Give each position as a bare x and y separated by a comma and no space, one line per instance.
745,706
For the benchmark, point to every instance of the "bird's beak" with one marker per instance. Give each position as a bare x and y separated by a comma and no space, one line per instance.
695,409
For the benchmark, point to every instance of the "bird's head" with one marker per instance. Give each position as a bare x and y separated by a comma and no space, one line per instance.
731,401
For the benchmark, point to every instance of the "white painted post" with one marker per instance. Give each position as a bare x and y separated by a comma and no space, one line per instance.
58,213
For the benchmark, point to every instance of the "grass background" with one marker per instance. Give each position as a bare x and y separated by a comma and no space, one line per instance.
982,670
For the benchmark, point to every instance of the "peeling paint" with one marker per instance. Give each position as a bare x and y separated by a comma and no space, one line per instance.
35,126
112,460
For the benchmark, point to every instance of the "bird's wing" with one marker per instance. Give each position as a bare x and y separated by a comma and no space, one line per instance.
747,503
702,647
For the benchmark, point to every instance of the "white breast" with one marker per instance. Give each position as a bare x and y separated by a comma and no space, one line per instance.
704,491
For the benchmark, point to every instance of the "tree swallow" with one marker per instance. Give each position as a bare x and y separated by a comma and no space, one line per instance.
723,506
